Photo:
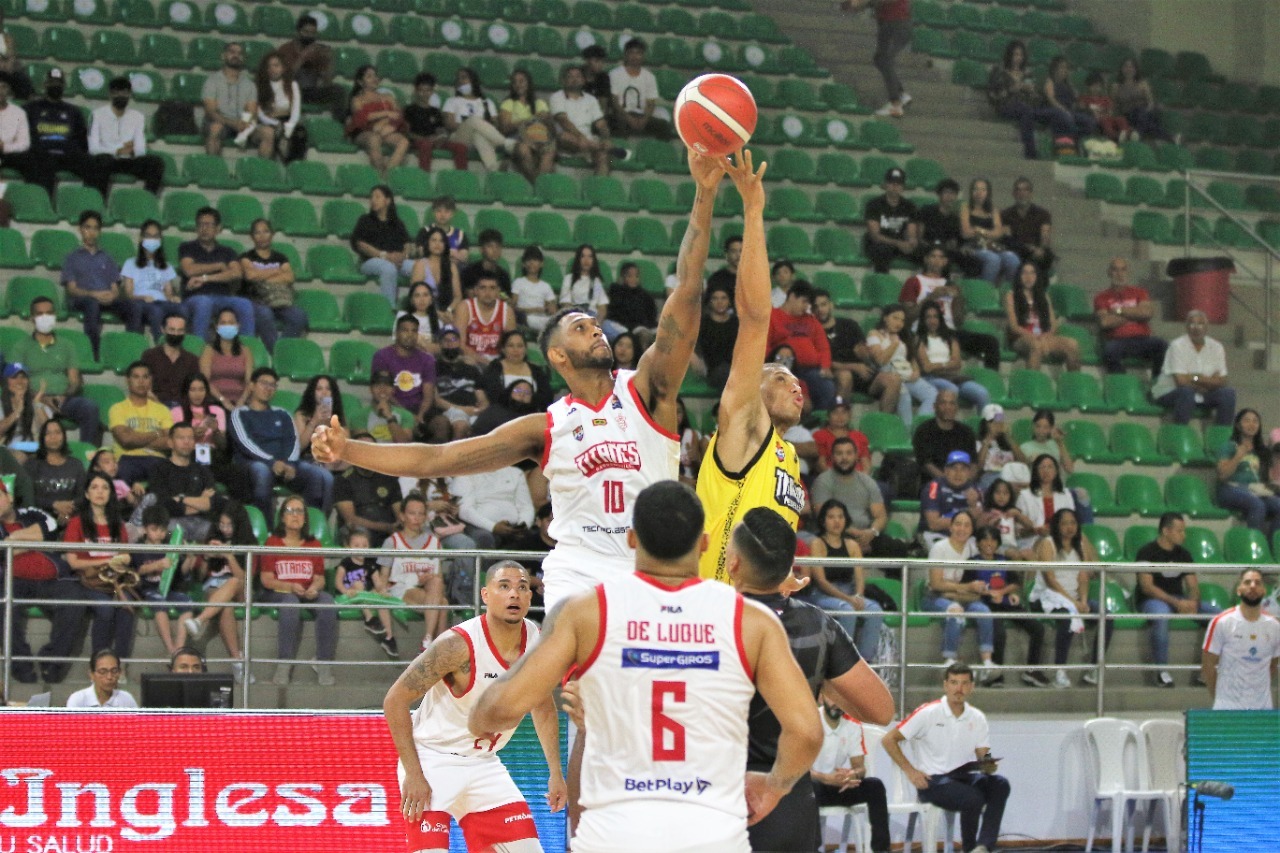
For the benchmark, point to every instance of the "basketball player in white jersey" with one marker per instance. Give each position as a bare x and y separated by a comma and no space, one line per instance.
667,665
600,446
446,772
1241,650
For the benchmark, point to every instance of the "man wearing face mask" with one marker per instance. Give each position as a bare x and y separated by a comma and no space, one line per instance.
118,139
311,64
230,99
170,362
458,384
51,364
840,772
59,139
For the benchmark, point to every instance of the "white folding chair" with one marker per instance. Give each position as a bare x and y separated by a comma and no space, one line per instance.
904,799
1166,765
856,824
1108,738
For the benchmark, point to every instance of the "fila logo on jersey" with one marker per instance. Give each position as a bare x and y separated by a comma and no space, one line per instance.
491,675
787,491
606,455
672,608
678,786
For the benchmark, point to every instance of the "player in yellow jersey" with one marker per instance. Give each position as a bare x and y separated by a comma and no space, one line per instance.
748,463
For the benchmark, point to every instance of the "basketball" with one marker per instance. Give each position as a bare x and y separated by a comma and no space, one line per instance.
715,114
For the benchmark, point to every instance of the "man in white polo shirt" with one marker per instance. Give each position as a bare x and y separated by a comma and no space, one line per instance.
1241,649
580,123
947,734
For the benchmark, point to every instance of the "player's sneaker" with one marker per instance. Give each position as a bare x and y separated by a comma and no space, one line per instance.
281,678
1090,677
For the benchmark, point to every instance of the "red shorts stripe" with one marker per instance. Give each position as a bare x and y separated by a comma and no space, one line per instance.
430,832
484,830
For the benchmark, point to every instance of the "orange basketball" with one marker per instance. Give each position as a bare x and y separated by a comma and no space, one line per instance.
715,114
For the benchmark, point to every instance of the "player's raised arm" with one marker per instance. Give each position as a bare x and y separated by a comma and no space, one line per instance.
444,657
510,443
663,366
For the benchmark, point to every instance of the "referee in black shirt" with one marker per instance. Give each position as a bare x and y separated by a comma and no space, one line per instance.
759,558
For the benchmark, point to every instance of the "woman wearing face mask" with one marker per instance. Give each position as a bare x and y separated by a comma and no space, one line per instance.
469,118
227,362
152,280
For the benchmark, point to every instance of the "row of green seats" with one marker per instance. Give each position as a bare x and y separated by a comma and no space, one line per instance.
1165,231
1001,19
1242,546
1153,192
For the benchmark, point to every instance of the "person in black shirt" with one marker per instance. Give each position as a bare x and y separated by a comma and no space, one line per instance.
426,125
183,486
892,229
268,277
717,333
381,242
851,361
597,80
935,439
366,499
727,276
632,306
59,140
940,226
490,255
758,559
1168,592
460,391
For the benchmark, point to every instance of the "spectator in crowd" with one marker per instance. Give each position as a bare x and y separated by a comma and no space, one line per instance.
635,92
626,352
208,421
57,476
267,444
893,35
1124,312
150,282
932,285
837,427
435,271
583,287
426,127
489,264
861,498
727,276
140,426
938,355
693,444
293,579
367,501
498,501
223,579
1099,102
633,307
948,734
596,79
1033,324
118,139
1060,96
21,487
794,326
104,461
92,279
1165,592
321,400
482,319
97,519
984,232
581,126
843,588
187,661
852,366
469,117
512,366
230,100
279,111
105,672
1241,649
381,242
384,423
150,567
210,274
184,486
1195,374
1043,498
52,364
516,399
940,227
942,498
892,229
716,334
996,448
533,297
1048,438
15,135
417,581
413,373
890,347
1244,462
376,123
268,277
358,576
310,62
1029,227
1011,91
783,275
463,390
1004,595
12,70
23,413
948,593
59,140
1135,101
839,773
35,575
1000,501
227,362
935,440
526,119
443,209
1066,591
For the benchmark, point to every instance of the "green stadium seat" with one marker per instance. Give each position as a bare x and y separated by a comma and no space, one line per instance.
334,265
1086,339
1117,601
1140,494
350,360
295,217
357,179
502,221
1182,443
311,177
23,288
981,297
511,189
1087,442
65,44
1203,545
179,208
791,242
262,175
1262,197
72,200
1099,491
410,183
369,313
464,186
84,350
549,230
1034,389
31,203
1135,537
792,203
1135,443
105,396
646,235
634,17
661,157
607,193
50,247
1188,494
839,207
120,349
885,432
339,216
1215,437
301,358
114,48
13,250
879,289
885,137
992,381
348,59
840,98
411,31
274,22
204,52
132,206
1105,542
181,15
1081,391
209,171
1200,230
1104,186
794,165
838,246
560,191
239,211
600,232
363,28
1144,189
1070,302
120,247
964,72
1152,226
328,137
494,71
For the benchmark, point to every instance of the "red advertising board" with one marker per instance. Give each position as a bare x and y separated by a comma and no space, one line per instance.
103,782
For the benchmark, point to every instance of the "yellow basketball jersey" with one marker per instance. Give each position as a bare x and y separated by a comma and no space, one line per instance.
771,479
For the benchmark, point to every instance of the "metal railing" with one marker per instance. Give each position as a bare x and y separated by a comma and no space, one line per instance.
906,571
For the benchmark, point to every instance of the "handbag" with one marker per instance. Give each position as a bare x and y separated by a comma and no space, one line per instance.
116,578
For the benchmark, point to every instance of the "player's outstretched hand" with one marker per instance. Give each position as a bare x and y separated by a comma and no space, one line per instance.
761,797
329,441
557,793
706,171
749,180
415,797
571,704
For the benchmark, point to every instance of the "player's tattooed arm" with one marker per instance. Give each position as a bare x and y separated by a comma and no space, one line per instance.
448,655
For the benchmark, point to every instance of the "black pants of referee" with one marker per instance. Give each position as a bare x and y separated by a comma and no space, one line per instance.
792,826
871,792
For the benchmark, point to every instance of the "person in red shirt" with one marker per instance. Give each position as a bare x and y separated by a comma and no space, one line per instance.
293,579
837,426
1124,311
795,326
98,519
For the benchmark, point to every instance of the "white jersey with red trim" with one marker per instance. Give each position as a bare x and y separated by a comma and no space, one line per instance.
1245,650
440,722
666,690
483,335
597,459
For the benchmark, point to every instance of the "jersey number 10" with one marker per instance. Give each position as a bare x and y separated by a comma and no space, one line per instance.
668,735
614,501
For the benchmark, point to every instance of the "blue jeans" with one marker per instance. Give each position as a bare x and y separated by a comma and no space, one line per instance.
1027,116
864,626
201,309
314,483
1260,513
387,274
87,417
997,264
922,392
112,626
1183,402
1160,627
289,625
973,393
953,626
134,469
1147,347
129,311
822,389
155,313
293,318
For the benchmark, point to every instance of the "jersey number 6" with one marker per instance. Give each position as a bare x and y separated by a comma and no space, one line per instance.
668,735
